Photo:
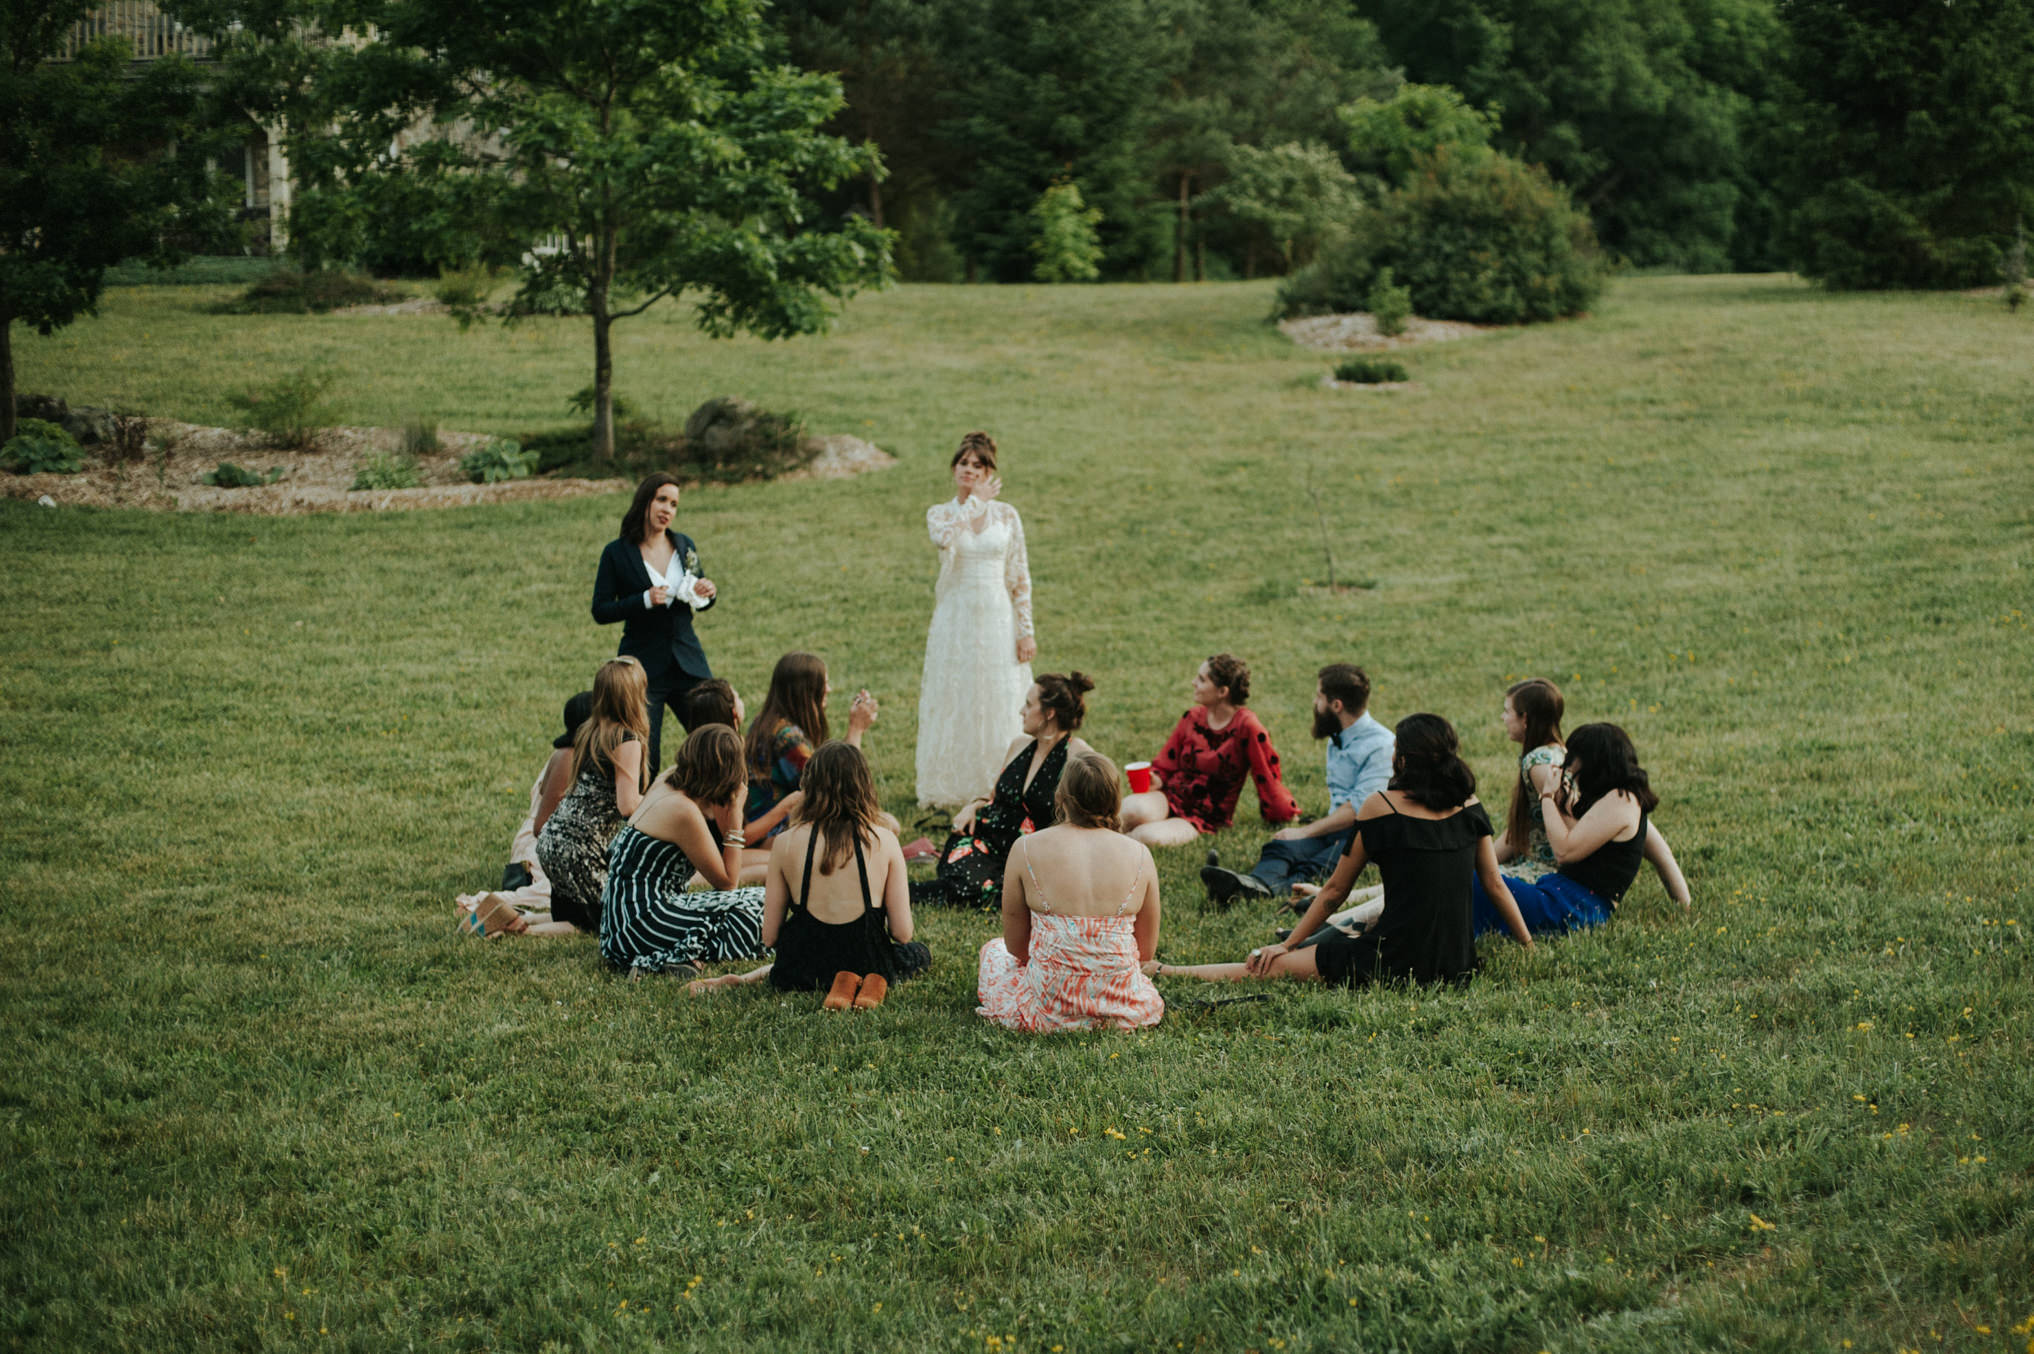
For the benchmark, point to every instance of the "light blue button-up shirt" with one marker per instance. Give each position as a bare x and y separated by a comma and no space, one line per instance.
1359,762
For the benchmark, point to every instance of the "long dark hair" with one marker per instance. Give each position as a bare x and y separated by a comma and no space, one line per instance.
1609,763
1427,766
840,802
797,696
639,507
1538,702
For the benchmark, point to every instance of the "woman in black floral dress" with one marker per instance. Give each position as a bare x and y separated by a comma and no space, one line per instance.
971,863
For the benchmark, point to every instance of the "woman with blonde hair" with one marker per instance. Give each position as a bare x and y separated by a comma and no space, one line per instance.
609,774
689,823
1080,915
848,931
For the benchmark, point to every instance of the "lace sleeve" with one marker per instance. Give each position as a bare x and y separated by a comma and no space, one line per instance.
944,520
1017,574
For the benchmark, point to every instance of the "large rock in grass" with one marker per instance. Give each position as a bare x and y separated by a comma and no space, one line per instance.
730,438
91,426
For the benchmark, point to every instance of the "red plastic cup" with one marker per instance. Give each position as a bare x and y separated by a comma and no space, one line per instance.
1140,776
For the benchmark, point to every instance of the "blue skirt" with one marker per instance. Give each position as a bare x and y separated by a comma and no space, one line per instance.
1551,904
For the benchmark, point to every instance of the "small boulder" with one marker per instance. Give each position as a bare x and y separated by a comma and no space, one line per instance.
48,408
725,426
91,426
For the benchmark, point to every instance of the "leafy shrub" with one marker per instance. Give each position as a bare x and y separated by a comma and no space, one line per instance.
1370,371
227,475
581,404
289,409
388,470
1389,305
501,459
1065,246
286,291
728,440
1479,237
40,447
129,441
464,292
2013,269
420,437
215,270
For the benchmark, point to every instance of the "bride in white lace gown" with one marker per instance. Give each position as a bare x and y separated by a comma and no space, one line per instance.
979,648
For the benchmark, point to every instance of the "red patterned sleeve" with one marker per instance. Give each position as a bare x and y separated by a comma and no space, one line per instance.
1167,760
1273,799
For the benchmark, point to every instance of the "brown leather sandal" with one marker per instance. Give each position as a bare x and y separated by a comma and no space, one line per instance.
875,987
842,994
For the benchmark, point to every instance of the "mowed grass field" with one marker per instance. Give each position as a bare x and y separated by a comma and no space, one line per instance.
258,1096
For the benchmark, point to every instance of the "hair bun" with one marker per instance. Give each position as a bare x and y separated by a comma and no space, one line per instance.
1080,681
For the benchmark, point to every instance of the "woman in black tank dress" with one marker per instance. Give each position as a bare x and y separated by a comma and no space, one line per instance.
835,823
971,863
1429,837
1600,827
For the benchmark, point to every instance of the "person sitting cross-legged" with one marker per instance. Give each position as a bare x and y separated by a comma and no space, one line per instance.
1359,765
1431,839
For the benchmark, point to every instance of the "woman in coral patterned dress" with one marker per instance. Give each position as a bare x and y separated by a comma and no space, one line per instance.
1199,775
979,647
1080,917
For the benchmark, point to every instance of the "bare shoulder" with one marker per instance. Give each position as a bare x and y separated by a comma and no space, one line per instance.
1376,806
1077,746
1017,744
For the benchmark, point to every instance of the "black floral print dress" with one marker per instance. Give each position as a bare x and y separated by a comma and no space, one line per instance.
971,863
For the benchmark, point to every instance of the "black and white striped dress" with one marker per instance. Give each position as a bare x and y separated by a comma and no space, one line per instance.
649,922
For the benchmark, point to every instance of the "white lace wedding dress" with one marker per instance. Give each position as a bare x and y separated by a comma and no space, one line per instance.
971,698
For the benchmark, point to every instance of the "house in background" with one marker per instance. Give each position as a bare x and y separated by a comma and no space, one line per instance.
153,35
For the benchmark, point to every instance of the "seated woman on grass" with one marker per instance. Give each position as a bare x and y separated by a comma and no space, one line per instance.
1080,915
846,930
1431,840
689,823
790,725
525,894
715,701
609,772
1199,774
1599,828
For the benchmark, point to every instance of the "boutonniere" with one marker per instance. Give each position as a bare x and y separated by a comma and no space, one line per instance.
691,561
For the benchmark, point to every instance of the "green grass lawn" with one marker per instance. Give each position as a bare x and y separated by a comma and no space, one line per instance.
257,1095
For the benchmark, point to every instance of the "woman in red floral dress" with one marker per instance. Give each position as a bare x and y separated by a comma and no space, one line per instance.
1197,778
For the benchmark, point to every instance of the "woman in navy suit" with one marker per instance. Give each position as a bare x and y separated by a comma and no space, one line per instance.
649,580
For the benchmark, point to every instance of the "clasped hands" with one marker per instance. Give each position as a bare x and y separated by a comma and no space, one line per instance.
702,588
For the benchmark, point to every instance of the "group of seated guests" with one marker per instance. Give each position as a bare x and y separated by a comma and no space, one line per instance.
1057,847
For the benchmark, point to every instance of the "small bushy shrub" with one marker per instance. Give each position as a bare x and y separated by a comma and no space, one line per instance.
581,404
728,440
388,470
502,459
1065,243
40,447
290,409
1370,371
420,437
1480,238
1389,305
464,293
2013,269
286,291
227,475
129,441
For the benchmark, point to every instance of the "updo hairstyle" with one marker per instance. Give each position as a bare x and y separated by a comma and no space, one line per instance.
1064,697
1226,669
982,446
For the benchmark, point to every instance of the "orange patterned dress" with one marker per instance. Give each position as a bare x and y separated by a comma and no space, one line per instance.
1084,974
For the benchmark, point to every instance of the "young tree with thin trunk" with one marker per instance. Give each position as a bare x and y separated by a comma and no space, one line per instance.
618,154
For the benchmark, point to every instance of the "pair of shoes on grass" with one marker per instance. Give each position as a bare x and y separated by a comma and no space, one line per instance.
1226,886
852,989
493,917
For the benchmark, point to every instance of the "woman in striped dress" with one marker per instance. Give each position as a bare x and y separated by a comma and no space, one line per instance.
690,822
1080,916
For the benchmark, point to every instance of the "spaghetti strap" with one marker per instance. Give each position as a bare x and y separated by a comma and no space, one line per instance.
1044,904
1136,887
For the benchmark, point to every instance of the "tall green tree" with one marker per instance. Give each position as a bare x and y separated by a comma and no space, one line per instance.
98,163
1647,109
619,154
1910,139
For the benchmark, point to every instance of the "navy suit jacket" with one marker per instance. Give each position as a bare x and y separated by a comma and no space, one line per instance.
660,638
